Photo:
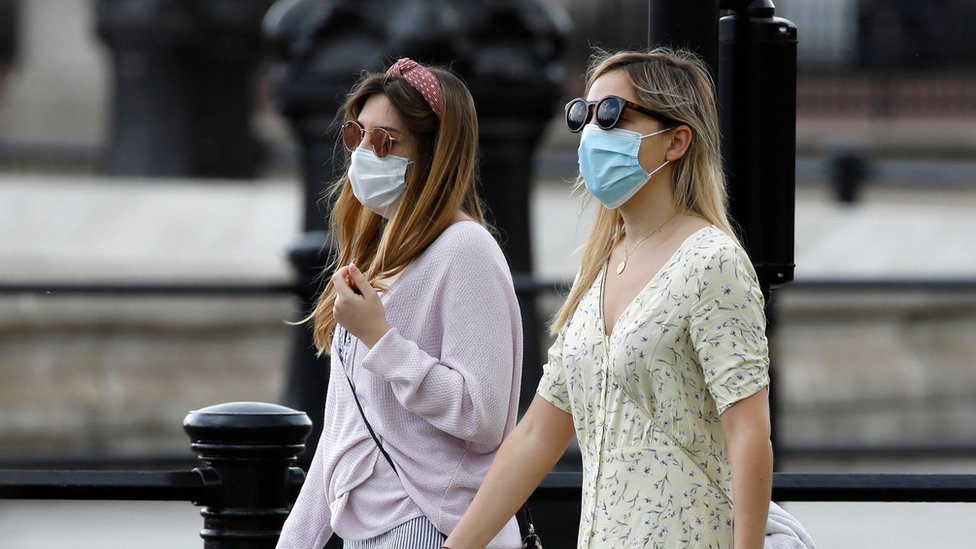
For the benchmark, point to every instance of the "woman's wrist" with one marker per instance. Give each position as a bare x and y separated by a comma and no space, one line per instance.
376,335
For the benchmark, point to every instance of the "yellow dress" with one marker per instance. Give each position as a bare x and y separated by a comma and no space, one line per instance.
646,398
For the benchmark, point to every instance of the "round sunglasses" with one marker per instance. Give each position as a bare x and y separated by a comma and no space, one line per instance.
380,140
609,110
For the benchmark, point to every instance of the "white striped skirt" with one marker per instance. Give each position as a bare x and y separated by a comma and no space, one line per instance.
418,533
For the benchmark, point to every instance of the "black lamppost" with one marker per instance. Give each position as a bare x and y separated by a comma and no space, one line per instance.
184,86
752,54
507,51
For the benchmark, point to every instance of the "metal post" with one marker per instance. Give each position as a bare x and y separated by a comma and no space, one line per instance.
9,37
757,117
309,81
688,25
848,171
515,77
184,86
508,53
247,451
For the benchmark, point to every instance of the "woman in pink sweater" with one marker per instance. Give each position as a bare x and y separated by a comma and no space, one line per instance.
421,322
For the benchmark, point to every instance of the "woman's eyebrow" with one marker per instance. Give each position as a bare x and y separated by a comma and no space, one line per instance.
390,129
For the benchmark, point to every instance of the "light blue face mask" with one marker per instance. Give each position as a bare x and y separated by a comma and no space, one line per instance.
608,163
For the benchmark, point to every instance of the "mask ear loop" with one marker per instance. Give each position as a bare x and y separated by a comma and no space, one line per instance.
659,132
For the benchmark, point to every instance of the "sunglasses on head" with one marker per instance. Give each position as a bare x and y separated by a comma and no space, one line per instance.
609,110
380,140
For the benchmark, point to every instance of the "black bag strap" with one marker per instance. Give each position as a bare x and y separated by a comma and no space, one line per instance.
527,515
369,427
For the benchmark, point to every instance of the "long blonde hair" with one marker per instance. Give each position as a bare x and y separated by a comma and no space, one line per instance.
440,182
676,84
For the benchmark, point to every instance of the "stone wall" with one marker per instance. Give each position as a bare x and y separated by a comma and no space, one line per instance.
113,375
888,367
85,375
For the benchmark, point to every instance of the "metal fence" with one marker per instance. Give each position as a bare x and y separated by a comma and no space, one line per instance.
246,481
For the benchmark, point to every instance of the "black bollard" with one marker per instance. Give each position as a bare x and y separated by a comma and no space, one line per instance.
184,86
247,451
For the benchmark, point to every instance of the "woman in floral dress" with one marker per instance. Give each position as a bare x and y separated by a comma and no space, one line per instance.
660,365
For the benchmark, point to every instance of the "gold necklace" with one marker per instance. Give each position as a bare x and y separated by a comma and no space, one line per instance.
623,264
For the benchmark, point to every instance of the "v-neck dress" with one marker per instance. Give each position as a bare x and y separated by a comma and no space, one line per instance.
646,399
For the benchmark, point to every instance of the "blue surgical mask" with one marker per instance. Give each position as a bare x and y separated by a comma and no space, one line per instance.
608,163
378,183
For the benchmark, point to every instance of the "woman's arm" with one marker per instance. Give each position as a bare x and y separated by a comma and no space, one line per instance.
523,460
470,388
747,431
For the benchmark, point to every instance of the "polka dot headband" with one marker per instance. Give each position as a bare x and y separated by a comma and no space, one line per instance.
419,79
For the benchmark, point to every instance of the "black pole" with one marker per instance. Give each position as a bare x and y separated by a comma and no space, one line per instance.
309,82
690,25
184,76
757,117
507,51
247,451
515,75
757,98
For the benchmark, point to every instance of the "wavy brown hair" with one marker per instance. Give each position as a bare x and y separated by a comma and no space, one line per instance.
676,84
440,181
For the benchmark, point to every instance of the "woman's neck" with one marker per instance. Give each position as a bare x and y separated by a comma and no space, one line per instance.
650,208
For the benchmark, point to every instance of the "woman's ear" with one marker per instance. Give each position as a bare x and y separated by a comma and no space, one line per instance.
681,138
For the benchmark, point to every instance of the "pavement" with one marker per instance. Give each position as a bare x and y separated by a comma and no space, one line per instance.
176,525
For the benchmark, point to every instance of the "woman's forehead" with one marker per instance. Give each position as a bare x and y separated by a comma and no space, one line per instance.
615,82
378,111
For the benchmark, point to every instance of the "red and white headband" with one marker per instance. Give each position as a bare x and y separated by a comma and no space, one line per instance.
419,79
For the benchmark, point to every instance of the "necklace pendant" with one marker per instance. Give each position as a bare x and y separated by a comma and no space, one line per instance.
621,266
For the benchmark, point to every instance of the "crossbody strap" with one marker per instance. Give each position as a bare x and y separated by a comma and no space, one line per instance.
368,426
527,515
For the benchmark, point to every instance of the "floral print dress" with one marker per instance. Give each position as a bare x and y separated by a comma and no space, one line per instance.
646,398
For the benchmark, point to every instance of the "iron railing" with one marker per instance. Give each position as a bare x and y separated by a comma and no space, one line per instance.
245,481
245,509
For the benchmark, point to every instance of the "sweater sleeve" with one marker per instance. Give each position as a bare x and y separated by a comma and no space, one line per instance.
310,518
467,390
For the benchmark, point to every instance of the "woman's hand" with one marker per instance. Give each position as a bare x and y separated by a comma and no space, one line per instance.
358,307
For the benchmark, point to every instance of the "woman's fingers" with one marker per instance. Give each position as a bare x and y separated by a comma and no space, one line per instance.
340,280
358,279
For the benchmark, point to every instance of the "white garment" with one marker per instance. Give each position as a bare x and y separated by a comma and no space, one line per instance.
783,531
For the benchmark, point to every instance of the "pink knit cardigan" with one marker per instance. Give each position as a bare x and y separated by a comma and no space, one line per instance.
440,389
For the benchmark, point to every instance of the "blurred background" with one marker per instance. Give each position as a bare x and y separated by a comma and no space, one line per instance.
176,146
